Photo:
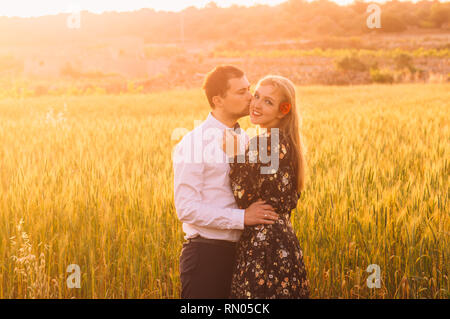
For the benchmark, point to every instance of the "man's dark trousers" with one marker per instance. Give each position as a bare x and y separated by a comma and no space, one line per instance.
206,270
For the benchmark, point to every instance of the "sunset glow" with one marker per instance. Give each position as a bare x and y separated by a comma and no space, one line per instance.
119,179
26,8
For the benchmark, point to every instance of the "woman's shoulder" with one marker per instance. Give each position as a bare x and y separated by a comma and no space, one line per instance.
265,141
279,136
276,133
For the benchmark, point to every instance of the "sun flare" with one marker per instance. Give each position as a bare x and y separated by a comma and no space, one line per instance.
26,8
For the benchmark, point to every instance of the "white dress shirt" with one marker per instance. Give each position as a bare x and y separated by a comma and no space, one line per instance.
203,198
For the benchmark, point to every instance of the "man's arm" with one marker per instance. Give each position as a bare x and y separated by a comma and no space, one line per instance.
188,182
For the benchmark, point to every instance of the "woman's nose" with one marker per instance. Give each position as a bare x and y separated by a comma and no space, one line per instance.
257,103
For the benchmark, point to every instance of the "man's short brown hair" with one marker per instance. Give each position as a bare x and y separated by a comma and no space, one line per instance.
216,81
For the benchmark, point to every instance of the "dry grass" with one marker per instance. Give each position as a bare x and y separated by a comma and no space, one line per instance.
88,181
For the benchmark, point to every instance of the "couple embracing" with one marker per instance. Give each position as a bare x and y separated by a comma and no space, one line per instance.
239,239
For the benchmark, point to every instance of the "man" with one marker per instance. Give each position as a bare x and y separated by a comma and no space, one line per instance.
203,197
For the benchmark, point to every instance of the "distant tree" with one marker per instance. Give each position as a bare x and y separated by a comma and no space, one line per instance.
390,23
409,18
290,19
351,63
359,6
404,61
381,76
440,14
295,5
326,26
211,5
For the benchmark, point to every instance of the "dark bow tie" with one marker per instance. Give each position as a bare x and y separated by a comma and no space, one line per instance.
237,128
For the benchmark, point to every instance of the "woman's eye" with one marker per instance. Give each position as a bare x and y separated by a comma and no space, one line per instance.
269,102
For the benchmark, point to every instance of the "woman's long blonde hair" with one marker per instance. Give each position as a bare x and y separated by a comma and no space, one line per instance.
290,123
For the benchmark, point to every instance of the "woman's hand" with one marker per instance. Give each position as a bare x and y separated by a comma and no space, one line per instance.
230,143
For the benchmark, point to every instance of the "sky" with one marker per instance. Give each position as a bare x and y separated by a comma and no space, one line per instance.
30,8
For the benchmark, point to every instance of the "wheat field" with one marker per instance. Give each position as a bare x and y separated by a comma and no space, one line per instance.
88,181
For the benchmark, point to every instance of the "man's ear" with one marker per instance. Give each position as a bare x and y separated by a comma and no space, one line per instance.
217,101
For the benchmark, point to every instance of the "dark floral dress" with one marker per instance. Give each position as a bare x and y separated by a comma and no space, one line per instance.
269,260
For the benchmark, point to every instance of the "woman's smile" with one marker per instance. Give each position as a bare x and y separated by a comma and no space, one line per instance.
256,113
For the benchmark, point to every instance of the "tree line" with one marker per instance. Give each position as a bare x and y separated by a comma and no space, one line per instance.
288,20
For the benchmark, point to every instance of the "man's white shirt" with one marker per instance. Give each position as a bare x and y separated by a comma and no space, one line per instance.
203,198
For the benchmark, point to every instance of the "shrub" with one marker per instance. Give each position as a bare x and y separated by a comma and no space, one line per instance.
351,64
439,14
390,23
381,76
404,61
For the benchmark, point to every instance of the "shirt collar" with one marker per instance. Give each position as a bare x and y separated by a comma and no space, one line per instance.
215,122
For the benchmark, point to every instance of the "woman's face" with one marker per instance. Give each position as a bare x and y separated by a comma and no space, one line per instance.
264,107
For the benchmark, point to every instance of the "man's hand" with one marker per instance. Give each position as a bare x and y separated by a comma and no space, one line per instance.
259,213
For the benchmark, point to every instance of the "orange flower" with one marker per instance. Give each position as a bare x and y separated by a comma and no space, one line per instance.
285,108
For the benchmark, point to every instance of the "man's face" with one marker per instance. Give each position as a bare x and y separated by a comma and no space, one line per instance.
238,97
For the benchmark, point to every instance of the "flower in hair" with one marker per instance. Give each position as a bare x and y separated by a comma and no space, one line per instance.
285,107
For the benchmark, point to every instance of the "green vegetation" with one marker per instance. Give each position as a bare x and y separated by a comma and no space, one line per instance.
351,63
383,53
381,76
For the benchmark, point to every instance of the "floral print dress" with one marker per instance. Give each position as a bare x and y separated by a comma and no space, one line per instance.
269,260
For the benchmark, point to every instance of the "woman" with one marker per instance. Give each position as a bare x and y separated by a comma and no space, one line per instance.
269,260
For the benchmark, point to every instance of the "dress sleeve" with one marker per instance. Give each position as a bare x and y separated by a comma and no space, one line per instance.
268,173
244,177
279,189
